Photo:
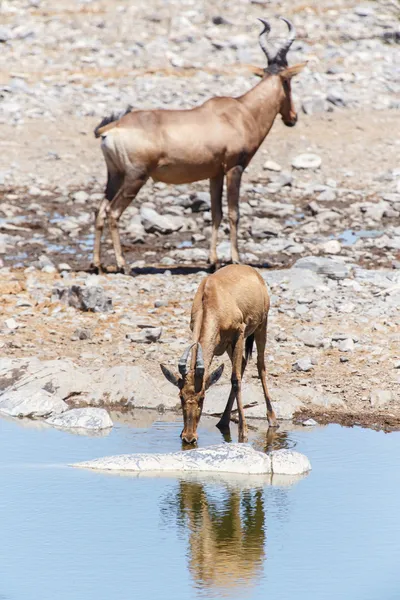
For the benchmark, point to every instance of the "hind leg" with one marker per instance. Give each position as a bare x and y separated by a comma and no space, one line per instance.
100,217
119,203
114,182
260,336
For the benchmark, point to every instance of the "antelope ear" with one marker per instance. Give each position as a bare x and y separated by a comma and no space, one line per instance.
172,378
257,71
214,376
290,72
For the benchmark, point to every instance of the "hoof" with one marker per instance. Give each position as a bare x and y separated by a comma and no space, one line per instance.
223,426
96,269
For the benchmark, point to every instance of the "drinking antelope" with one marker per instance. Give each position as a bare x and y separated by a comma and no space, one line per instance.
211,141
229,313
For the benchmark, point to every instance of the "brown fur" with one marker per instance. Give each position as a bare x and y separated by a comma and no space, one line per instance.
215,140
229,307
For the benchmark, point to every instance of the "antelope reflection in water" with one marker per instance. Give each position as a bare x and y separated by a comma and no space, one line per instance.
226,533
227,524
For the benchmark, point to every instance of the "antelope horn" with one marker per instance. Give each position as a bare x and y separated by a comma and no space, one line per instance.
199,362
263,40
284,49
182,364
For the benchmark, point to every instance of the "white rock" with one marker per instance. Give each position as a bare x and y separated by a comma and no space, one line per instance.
11,324
223,458
346,345
303,364
309,423
120,384
82,418
155,223
41,403
49,269
332,247
80,197
380,397
64,267
271,165
307,161
288,462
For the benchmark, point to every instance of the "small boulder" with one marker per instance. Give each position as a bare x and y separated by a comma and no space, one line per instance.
307,161
380,398
331,247
86,298
303,364
82,418
155,223
271,165
17,403
346,345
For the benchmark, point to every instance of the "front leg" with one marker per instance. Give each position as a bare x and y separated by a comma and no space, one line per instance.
233,179
216,187
237,361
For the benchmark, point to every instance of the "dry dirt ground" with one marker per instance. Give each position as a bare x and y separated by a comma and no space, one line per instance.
356,144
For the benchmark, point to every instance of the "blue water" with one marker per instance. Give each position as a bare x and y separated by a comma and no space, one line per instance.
73,534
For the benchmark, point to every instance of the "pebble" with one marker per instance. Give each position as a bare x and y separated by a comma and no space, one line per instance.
332,247
271,165
81,334
309,423
327,196
11,324
307,161
346,345
80,197
380,398
303,364
147,336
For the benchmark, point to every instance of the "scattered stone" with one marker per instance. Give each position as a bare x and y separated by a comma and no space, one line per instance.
346,345
312,337
64,267
86,298
155,223
326,196
11,324
81,334
147,336
271,165
380,398
334,269
82,418
200,202
80,197
332,247
309,423
303,364
160,303
17,403
307,161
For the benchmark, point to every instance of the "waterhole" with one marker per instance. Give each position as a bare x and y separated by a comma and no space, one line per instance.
74,534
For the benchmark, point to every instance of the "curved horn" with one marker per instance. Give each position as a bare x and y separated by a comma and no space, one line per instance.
284,49
182,364
263,40
199,362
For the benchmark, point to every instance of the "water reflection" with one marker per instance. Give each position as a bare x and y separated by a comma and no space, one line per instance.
227,533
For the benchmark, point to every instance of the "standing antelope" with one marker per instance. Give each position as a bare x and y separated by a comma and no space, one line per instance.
218,138
229,312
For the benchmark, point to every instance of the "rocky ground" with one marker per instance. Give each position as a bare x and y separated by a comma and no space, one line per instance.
328,231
